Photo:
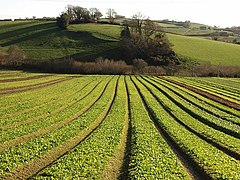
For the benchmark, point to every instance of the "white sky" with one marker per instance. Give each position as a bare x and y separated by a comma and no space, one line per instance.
212,12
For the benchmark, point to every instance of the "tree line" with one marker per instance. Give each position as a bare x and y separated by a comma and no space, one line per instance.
78,14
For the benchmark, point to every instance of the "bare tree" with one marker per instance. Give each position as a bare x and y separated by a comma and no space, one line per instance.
137,22
69,11
150,28
111,15
80,13
95,14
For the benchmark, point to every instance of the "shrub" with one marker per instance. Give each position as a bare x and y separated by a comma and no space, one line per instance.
15,56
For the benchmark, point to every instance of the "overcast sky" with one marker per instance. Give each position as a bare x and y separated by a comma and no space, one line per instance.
212,12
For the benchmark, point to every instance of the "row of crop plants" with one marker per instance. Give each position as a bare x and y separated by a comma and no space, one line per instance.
221,83
19,102
25,132
213,108
233,97
209,101
218,138
46,104
18,84
203,116
56,139
151,156
82,131
90,159
50,115
217,88
206,158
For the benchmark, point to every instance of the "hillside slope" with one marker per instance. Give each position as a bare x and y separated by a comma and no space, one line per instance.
205,51
44,41
86,42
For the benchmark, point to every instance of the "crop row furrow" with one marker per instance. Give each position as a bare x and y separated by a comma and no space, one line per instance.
31,87
47,104
26,100
54,111
217,92
209,161
37,150
25,84
197,102
97,150
69,145
221,86
225,94
19,76
221,141
150,155
215,88
206,94
14,137
25,78
218,123
47,110
208,119
215,104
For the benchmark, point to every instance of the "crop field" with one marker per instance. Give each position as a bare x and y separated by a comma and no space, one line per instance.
118,127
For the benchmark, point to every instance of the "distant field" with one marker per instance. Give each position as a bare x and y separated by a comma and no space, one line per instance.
118,127
44,41
204,50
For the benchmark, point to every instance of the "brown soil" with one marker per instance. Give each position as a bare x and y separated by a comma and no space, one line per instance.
31,87
205,94
25,79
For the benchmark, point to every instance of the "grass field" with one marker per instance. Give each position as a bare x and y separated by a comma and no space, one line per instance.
43,41
118,127
204,50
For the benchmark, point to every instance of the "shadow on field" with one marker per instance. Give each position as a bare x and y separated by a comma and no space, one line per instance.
26,33
13,24
45,42
110,54
29,37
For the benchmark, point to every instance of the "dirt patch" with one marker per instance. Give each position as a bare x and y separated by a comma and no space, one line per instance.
205,94
31,87
25,79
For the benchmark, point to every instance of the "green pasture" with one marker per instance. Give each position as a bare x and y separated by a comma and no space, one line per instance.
42,40
206,51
